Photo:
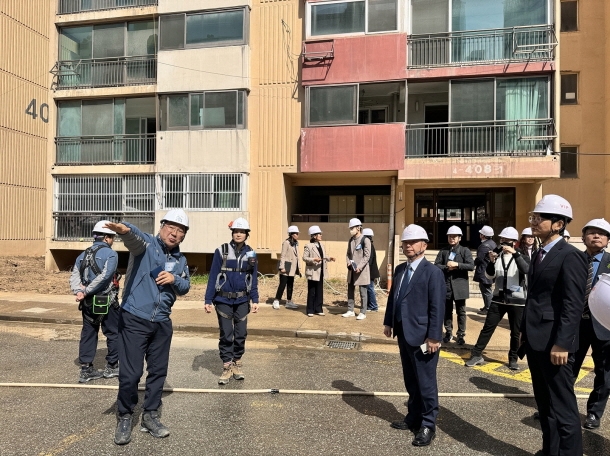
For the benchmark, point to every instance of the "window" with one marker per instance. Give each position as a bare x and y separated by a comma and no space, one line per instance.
208,110
334,105
352,16
569,16
569,162
207,28
569,88
206,192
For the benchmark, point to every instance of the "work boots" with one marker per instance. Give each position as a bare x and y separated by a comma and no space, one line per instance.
122,435
227,372
150,423
238,374
88,373
111,372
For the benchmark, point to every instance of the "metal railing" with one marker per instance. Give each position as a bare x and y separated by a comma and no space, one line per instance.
484,138
340,218
134,149
78,6
78,226
529,43
106,72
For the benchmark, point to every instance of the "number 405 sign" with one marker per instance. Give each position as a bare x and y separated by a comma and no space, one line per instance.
42,112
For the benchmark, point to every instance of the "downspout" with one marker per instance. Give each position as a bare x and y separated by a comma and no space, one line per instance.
391,232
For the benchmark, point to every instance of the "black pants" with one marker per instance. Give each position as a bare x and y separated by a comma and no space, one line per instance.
494,317
88,338
141,339
601,359
460,309
285,280
554,393
232,321
315,296
486,294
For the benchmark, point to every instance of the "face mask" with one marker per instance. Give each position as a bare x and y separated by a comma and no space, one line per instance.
353,231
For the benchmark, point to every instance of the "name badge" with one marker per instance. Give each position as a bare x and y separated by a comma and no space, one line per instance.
359,247
169,266
452,256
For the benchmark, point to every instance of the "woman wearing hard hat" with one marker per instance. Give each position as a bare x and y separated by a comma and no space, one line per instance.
288,267
528,243
508,269
315,260
358,271
549,330
370,290
233,283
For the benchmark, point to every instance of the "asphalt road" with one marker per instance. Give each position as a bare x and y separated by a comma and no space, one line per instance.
65,421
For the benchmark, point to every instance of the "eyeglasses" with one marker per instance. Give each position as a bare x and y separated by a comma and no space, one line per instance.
536,219
174,229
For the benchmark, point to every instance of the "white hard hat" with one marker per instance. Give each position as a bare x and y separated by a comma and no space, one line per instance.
414,233
99,228
454,230
239,223
368,232
176,216
599,300
526,232
293,229
566,234
487,231
314,230
354,222
554,204
510,233
597,223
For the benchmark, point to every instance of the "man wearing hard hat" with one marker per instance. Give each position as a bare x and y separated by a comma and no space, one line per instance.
414,313
95,284
549,329
592,334
156,273
358,270
480,263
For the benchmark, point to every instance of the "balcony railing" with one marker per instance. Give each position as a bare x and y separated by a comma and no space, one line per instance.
78,226
78,6
340,218
107,72
117,149
481,47
485,138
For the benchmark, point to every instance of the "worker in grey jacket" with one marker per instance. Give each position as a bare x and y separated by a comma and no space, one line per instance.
358,270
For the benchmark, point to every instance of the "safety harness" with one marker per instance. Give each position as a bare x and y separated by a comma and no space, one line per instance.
221,278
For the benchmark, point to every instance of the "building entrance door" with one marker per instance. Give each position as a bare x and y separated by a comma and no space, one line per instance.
438,209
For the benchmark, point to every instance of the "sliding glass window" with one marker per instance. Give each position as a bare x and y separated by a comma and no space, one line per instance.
352,17
204,110
333,105
496,14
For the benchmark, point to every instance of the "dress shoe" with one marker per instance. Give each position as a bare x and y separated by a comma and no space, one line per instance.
447,337
424,437
460,340
536,415
404,426
591,422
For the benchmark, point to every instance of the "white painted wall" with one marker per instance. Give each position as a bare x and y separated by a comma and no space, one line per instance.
173,6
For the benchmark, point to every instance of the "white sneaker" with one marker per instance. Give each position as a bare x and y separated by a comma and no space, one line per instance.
276,304
348,314
291,305
361,316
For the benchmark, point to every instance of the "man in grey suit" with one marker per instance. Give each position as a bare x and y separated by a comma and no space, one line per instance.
592,334
414,312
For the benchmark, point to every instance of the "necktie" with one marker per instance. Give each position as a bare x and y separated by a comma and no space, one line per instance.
586,312
539,257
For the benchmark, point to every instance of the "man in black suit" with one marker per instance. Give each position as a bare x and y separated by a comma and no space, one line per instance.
550,324
415,312
592,334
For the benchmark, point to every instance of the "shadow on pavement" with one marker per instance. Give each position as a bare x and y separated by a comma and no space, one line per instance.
208,360
368,405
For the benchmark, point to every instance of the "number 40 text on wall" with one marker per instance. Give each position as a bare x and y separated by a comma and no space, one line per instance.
43,112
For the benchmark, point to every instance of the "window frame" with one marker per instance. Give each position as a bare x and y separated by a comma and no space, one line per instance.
577,18
245,29
308,13
164,106
356,87
574,150
562,95
187,194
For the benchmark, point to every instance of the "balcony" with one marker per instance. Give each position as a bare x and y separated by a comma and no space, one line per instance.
78,226
480,139
117,149
79,6
482,47
105,72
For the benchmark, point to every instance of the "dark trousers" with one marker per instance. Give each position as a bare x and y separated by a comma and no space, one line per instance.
601,359
494,317
285,281
141,339
554,393
460,309
232,321
486,294
315,296
419,372
88,338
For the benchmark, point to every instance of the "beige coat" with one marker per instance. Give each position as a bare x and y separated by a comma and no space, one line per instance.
312,270
361,257
289,259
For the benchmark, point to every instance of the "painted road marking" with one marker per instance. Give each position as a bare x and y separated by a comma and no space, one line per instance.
69,441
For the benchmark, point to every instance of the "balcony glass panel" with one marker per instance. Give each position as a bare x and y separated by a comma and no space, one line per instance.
472,100
76,6
219,27
382,15
220,110
172,31
178,111
430,16
75,43
338,18
211,110
141,38
495,14
332,105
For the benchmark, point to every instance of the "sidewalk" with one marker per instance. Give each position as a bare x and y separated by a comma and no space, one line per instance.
190,316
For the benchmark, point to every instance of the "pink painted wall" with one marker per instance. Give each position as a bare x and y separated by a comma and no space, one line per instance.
379,147
481,70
